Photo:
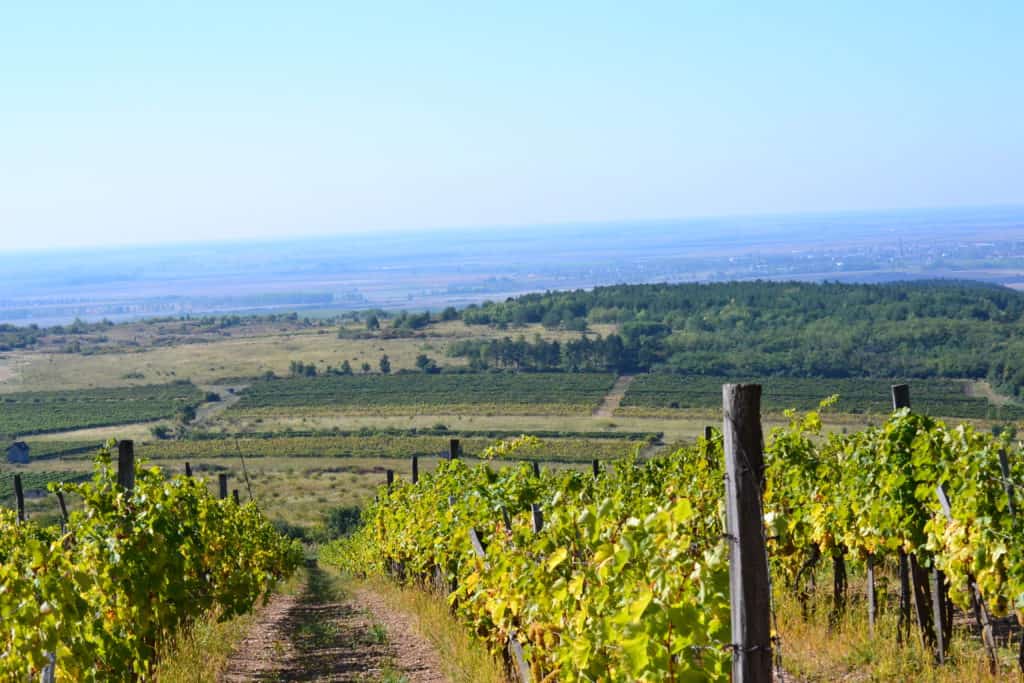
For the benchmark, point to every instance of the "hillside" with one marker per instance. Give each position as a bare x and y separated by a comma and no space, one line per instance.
948,329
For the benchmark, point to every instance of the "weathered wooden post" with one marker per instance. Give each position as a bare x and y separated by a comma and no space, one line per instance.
538,518
454,450
749,587
415,469
871,596
596,466
901,399
536,469
929,588
19,497
234,494
1004,467
709,432
222,485
126,464
188,469
63,507
389,475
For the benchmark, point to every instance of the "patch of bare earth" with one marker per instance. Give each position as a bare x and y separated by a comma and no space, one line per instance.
985,390
413,654
319,635
614,397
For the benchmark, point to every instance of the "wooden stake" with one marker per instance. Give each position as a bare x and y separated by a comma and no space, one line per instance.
872,598
126,464
1004,466
415,469
63,506
749,591
538,518
19,497
222,482
454,450
188,469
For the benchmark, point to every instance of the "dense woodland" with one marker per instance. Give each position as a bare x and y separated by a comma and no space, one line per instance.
922,329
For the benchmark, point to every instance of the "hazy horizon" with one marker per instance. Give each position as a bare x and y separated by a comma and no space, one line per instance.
706,225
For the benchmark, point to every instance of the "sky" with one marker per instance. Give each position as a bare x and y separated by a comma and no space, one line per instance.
147,122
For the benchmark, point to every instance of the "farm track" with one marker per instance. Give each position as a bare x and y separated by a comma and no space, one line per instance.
610,403
321,634
208,411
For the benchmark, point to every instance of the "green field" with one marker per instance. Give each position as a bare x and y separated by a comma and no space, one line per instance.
49,411
569,392
663,393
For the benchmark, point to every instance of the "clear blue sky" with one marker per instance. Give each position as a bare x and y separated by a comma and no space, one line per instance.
154,121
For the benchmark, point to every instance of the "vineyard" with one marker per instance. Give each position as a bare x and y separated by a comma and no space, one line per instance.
97,598
379,446
624,575
554,392
46,411
662,393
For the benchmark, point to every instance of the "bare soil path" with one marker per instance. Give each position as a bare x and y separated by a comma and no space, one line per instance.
229,396
614,397
320,634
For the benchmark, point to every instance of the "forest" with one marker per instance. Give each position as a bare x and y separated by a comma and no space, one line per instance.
952,329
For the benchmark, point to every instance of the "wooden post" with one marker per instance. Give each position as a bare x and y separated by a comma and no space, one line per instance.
709,433
901,399
415,469
839,584
1004,466
222,481
454,449
19,496
63,506
188,469
938,615
872,598
900,396
538,518
536,469
922,601
474,540
234,494
903,627
390,476
749,588
126,464
596,466
931,629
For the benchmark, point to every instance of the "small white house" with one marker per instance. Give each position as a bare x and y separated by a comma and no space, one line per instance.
17,453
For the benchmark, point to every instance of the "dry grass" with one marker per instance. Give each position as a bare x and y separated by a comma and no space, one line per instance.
200,653
813,650
242,356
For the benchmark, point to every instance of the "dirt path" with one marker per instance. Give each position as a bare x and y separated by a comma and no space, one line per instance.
321,635
614,397
207,411
985,390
